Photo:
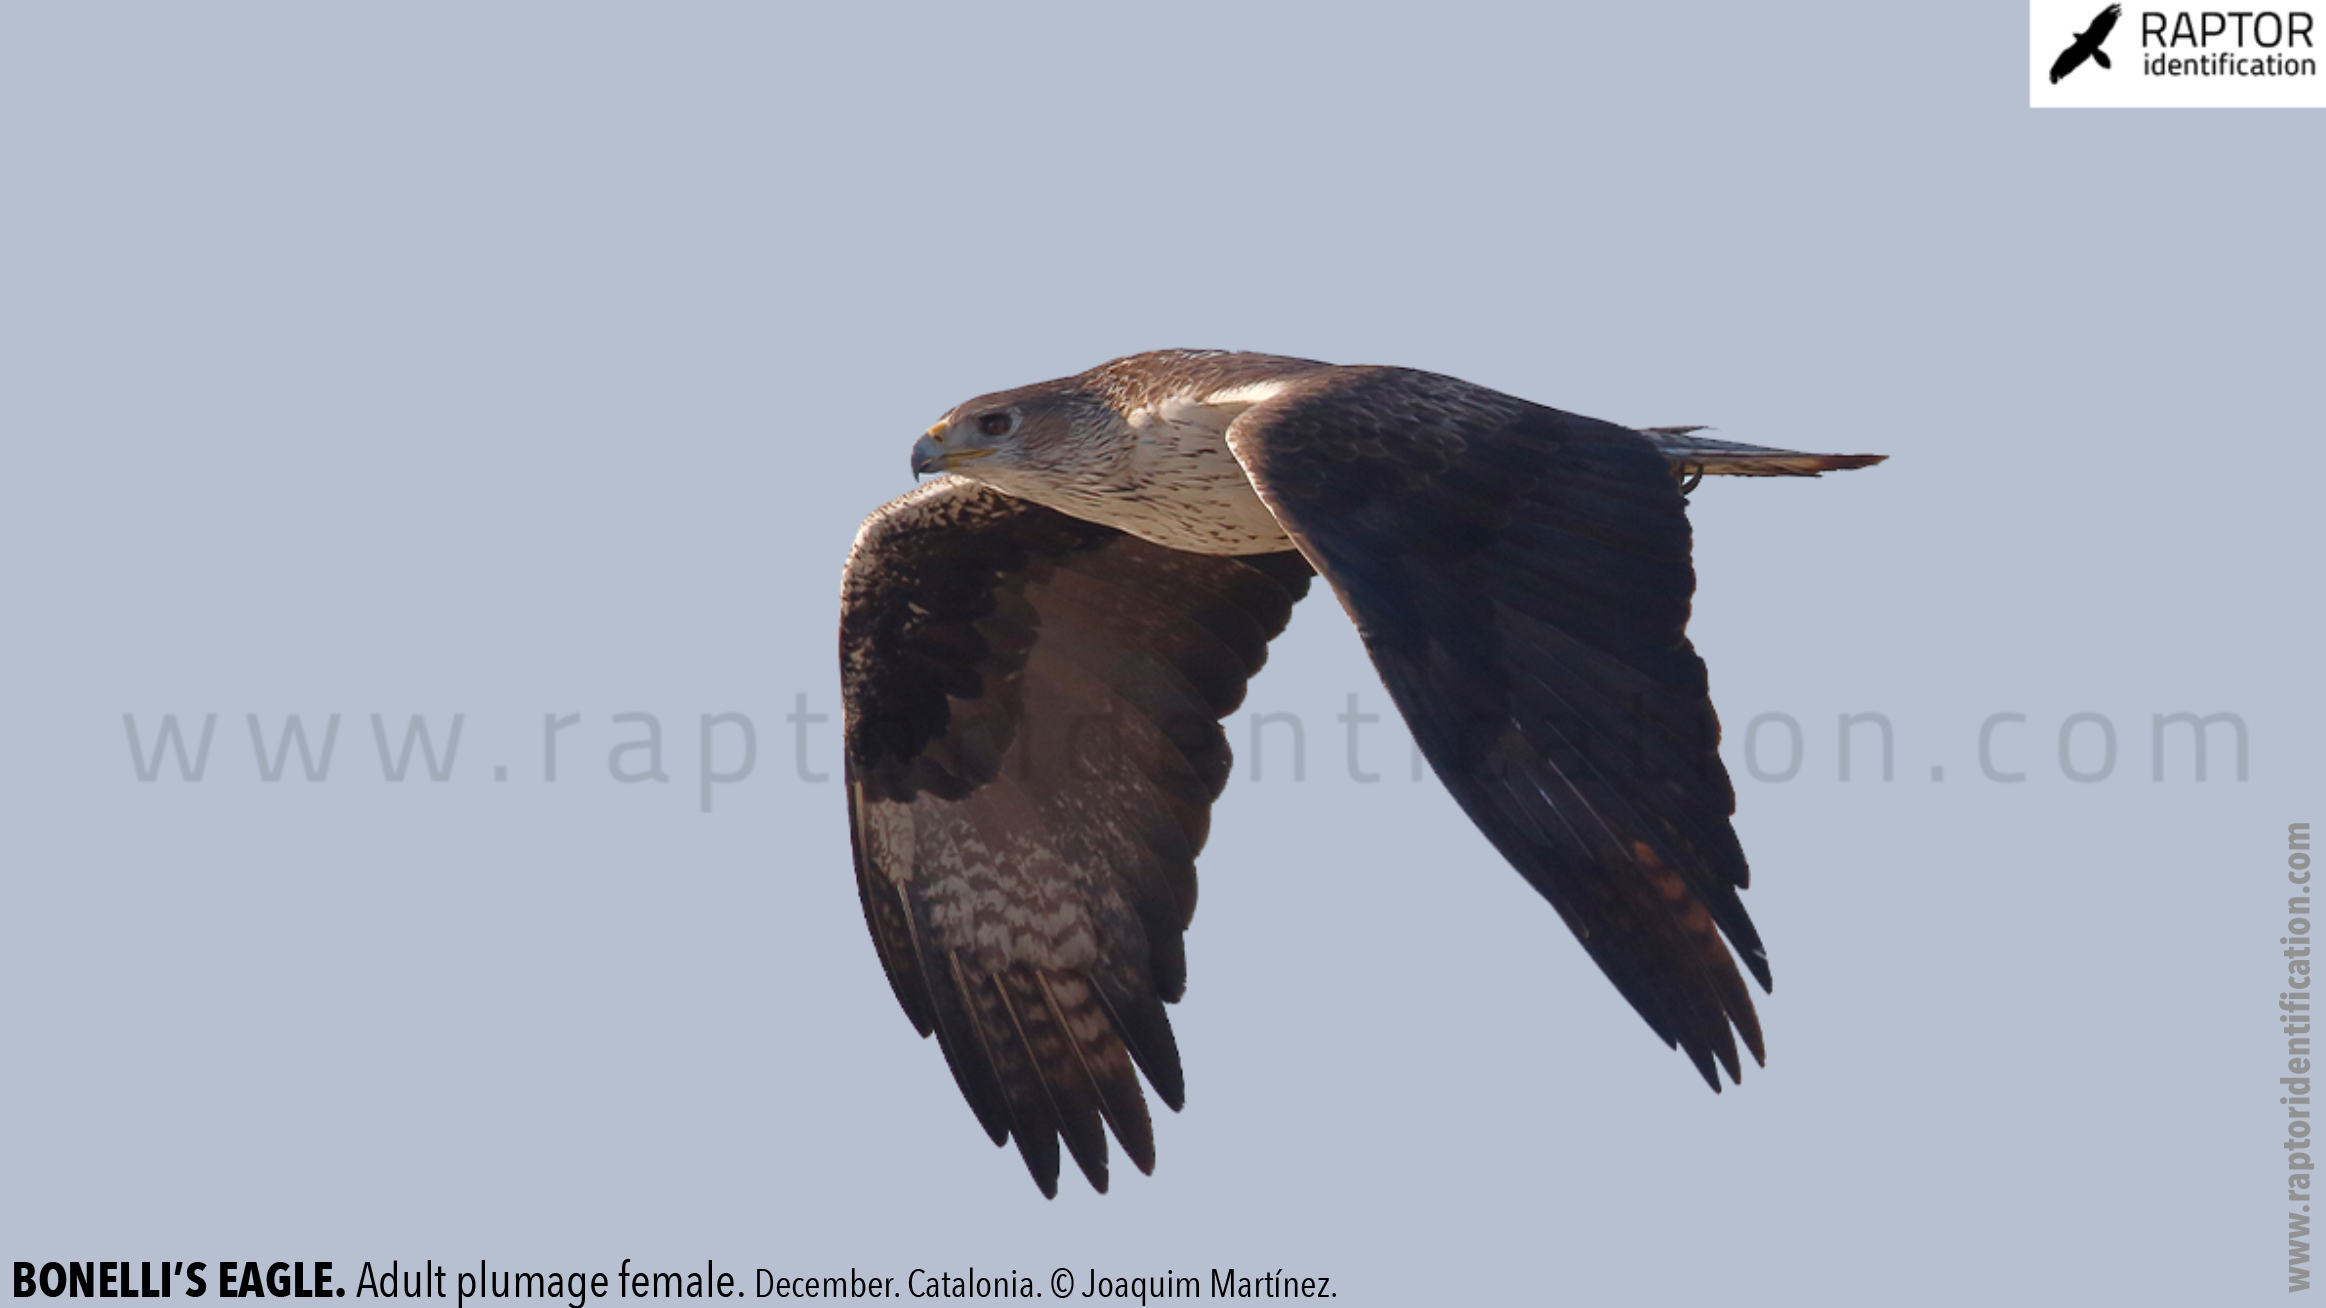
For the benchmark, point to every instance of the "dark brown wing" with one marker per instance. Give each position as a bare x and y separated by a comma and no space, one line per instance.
1033,747
1521,577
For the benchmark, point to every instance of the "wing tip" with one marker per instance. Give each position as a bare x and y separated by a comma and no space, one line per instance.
1711,1057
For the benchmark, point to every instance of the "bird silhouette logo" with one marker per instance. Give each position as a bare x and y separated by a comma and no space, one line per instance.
2087,45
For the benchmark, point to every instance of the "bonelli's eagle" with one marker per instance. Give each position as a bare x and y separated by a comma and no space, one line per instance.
1037,650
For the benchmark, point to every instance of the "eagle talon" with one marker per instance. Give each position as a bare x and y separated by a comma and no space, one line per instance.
1689,477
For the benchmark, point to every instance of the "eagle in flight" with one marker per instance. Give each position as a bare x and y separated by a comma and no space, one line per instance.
1037,650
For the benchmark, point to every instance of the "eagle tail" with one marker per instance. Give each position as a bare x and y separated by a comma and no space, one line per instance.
1694,456
2100,57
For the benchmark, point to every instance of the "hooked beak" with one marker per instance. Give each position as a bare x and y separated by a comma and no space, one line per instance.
930,455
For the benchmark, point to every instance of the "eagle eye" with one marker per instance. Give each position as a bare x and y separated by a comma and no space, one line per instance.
996,424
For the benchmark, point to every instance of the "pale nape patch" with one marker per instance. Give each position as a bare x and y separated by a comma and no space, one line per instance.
1245,396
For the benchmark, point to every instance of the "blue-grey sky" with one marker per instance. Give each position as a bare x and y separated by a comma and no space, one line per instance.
523,361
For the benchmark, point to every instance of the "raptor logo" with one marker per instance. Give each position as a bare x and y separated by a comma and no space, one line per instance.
2087,45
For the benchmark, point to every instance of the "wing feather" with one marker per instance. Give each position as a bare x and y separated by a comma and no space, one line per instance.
1033,1121
1033,746
1521,578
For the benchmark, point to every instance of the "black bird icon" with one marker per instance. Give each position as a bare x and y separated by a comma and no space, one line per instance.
2087,45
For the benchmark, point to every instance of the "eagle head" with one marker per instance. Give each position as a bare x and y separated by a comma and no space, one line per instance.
1139,444
1016,440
